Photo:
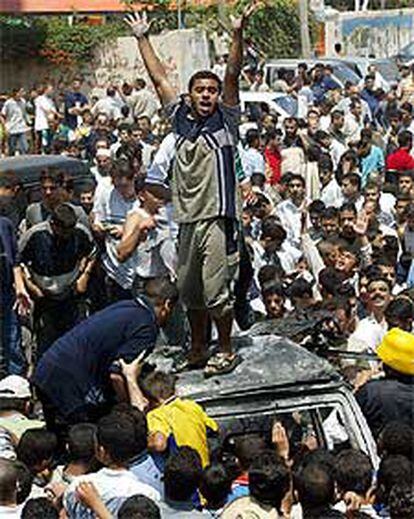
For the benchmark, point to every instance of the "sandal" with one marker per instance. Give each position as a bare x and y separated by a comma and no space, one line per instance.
221,364
188,364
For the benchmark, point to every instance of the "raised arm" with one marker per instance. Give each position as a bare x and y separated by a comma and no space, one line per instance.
235,61
155,68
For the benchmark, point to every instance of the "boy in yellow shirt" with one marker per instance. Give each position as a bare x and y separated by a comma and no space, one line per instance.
172,422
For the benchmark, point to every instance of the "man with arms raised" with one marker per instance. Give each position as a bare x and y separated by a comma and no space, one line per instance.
204,191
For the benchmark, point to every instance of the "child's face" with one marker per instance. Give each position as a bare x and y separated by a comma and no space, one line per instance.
150,202
274,306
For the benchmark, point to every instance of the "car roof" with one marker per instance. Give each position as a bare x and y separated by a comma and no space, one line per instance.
269,362
29,167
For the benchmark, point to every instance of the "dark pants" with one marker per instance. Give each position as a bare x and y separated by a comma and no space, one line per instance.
52,319
12,359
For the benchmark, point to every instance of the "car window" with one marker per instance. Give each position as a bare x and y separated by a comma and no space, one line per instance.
408,49
344,73
388,70
288,103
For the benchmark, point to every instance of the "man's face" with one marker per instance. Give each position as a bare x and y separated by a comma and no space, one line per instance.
124,136
372,195
316,220
346,262
406,117
274,306
405,185
296,191
388,272
49,188
325,176
291,128
137,135
369,84
150,201
338,122
313,121
357,110
86,200
378,295
348,188
395,124
76,85
125,186
204,96
347,219
330,227
400,208
103,163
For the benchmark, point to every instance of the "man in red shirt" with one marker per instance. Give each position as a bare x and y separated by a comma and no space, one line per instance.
401,160
272,155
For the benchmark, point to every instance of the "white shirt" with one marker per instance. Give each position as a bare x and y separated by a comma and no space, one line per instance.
108,106
290,216
253,162
337,149
331,194
113,486
43,106
14,111
352,128
368,335
11,512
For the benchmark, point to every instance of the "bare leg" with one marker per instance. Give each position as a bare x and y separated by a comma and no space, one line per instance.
198,323
224,325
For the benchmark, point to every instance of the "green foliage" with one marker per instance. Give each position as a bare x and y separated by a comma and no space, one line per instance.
20,36
74,44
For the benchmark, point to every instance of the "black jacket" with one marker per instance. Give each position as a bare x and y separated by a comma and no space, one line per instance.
386,400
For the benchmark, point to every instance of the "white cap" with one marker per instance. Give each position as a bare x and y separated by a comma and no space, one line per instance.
15,386
103,152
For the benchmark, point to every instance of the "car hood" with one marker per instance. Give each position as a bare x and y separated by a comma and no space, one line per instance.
269,361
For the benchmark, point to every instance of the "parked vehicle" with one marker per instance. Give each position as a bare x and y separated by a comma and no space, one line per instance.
405,55
282,104
387,70
280,380
28,169
341,72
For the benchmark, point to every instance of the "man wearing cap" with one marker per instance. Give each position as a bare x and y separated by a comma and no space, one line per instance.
15,397
391,398
57,257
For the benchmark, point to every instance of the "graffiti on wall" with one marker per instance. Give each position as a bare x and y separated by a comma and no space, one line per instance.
380,36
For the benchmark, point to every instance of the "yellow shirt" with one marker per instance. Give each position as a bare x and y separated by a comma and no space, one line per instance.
185,423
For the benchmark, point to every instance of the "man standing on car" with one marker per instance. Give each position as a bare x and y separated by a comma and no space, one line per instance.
204,191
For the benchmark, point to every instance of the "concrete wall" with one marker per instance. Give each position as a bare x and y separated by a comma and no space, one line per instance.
182,52
381,33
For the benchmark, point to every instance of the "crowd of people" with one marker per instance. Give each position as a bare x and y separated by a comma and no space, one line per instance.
197,222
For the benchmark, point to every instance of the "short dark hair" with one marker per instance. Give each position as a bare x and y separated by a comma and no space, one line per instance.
348,206
116,434
204,74
55,176
8,179
272,289
271,228
215,485
121,168
81,442
401,501
297,177
353,471
392,470
401,309
269,479
330,213
24,481
247,448
354,179
405,139
36,446
300,288
158,290
159,385
139,507
182,474
140,424
315,486
316,207
64,216
39,508
268,273
397,438
251,136
325,162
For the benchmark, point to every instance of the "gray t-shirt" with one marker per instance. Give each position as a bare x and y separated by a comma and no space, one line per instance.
14,111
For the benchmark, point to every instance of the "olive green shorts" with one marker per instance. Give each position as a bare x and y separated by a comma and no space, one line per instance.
208,260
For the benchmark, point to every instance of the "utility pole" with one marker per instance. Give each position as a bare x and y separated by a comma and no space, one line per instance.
304,29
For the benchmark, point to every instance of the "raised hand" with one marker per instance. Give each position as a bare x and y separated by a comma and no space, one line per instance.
361,224
239,22
138,23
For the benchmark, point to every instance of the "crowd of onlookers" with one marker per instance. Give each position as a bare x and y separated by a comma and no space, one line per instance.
328,225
